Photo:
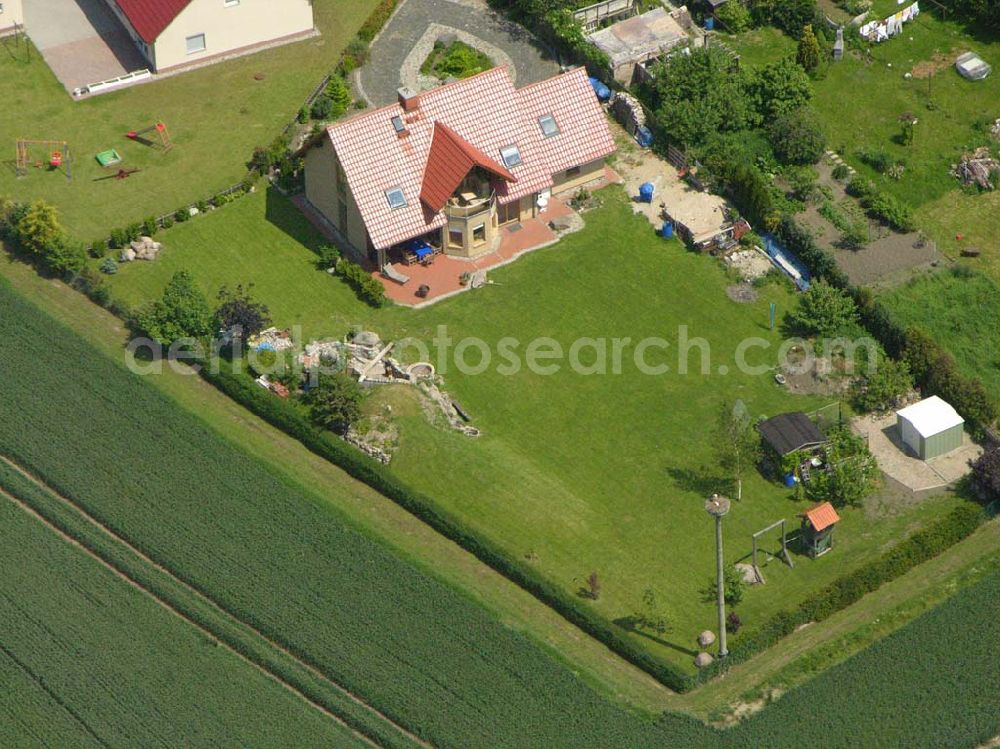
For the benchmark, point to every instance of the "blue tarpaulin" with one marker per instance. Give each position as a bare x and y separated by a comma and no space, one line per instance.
644,137
600,90
786,262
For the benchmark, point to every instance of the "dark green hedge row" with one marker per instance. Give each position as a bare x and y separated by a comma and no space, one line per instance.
228,630
921,546
377,19
293,422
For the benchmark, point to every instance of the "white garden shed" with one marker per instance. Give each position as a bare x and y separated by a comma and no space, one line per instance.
930,428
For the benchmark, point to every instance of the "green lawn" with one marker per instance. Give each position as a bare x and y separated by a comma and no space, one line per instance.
860,102
216,116
961,311
618,486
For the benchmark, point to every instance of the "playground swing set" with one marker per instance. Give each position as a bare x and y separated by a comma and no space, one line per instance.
783,553
57,156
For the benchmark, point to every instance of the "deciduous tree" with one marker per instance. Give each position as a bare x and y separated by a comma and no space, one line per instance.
335,401
182,312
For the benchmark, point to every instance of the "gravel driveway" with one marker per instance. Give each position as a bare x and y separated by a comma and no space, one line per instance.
389,68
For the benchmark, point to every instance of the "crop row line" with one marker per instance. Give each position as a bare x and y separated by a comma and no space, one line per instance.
219,625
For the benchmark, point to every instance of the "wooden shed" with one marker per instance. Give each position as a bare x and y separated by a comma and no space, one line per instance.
817,529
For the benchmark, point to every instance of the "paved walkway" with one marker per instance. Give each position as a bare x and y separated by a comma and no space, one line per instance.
391,64
81,40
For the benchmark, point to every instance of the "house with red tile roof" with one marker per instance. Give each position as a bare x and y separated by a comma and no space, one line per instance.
449,167
177,33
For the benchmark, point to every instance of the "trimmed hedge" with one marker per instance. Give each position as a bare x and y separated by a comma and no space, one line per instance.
286,417
376,20
918,548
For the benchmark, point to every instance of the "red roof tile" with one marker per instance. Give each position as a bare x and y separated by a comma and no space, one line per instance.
150,18
821,516
486,112
450,159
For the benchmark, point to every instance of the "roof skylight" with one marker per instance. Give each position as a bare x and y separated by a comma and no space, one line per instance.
395,197
511,156
548,124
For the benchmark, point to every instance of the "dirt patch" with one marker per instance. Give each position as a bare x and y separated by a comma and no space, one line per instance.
822,378
742,293
888,257
940,61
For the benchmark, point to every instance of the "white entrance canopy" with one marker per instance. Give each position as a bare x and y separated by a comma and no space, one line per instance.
931,416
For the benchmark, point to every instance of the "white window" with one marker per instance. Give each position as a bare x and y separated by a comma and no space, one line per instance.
511,156
395,197
195,44
548,124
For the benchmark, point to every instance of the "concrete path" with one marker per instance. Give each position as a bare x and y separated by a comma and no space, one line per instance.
391,64
81,40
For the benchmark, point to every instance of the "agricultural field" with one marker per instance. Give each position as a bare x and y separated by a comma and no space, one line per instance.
85,657
862,97
216,117
560,498
501,686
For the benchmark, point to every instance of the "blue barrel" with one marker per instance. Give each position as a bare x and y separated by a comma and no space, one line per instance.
668,230
790,480
644,137
709,23
646,192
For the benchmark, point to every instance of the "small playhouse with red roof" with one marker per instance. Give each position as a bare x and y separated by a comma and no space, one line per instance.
817,528
443,171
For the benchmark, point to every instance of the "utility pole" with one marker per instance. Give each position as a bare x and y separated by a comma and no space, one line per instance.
717,506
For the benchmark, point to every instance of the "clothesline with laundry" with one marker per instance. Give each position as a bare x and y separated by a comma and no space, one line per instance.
879,31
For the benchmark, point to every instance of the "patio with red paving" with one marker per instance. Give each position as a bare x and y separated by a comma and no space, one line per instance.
443,275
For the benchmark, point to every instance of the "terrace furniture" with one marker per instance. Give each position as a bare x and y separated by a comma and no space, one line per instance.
394,275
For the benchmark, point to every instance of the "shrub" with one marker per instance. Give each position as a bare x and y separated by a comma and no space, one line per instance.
733,585
368,288
808,54
202,206
64,257
985,476
182,312
339,95
99,248
109,266
303,116
882,388
119,238
240,313
797,137
881,205
329,256
133,232
182,215
38,228
335,402
322,108
876,158
841,172
733,622
735,16
150,226
823,310
355,55
168,221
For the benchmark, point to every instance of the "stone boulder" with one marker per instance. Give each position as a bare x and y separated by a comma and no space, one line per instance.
702,660
706,638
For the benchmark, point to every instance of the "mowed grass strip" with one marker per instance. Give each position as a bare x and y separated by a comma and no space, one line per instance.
574,473
203,613
216,116
94,662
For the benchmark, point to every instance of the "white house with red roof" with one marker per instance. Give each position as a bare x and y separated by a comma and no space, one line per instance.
177,33
450,166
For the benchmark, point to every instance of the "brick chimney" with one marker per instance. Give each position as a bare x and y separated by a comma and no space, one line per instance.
409,99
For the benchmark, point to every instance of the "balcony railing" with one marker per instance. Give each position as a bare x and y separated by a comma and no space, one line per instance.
482,205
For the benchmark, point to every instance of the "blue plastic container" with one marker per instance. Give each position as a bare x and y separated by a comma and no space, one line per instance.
709,23
646,192
644,137
668,230
602,92
790,480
